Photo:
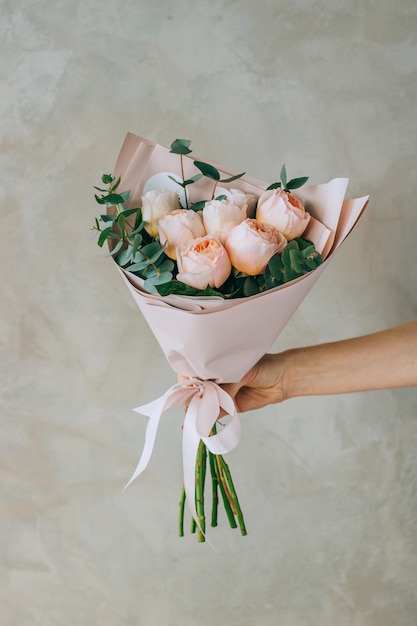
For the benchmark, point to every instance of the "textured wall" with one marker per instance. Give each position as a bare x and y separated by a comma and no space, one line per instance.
328,484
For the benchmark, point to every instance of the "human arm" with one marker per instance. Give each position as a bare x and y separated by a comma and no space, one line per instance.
385,359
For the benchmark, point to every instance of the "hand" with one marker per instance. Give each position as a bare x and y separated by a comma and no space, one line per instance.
266,383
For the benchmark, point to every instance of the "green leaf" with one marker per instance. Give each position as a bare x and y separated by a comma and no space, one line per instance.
113,198
296,183
124,257
283,176
116,248
178,182
250,286
291,245
192,180
181,146
232,178
108,218
181,289
295,258
136,243
290,274
150,283
273,186
129,212
198,206
208,170
107,179
121,220
276,267
103,236
221,197
116,184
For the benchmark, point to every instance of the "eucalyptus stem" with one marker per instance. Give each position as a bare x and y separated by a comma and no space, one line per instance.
183,180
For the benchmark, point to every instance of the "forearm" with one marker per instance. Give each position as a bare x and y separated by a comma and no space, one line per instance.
381,360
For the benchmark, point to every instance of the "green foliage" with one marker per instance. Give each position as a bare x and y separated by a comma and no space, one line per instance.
288,185
181,146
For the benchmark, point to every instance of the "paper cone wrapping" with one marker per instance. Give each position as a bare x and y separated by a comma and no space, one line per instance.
215,339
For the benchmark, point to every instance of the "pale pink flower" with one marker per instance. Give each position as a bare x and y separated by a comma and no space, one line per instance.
179,227
203,262
281,209
156,204
220,216
251,245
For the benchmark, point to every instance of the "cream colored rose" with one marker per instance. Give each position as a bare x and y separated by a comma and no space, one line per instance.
203,262
220,216
281,209
251,245
179,227
156,204
239,197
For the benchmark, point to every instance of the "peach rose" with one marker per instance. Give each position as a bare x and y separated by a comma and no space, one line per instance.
179,227
220,216
156,204
251,244
203,262
281,209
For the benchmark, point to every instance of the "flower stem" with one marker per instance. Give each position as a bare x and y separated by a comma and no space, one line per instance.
236,506
215,489
200,476
181,513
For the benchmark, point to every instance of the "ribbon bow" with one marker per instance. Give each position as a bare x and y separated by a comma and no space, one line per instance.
204,400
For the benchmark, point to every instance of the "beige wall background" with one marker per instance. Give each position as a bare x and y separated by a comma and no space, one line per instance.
328,485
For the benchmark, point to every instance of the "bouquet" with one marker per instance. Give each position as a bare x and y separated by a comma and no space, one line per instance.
193,242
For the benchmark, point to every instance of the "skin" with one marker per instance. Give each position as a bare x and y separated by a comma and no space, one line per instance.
386,359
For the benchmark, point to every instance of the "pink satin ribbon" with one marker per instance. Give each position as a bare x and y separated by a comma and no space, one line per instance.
203,399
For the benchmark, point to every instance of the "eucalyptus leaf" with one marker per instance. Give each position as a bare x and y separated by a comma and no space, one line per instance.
150,283
276,266
108,218
181,289
208,170
124,257
283,175
296,183
116,248
113,198
193,179
290,274
232,178
291,245
103,236
116,184
250,286
198,206
295,258
107,179
273,186
181,146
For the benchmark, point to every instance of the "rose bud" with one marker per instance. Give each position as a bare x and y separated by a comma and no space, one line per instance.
251,244
281,209
203,262
220,216
155,204
179,227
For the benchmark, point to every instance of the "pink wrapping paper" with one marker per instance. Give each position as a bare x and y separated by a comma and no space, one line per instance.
211,340
221,339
